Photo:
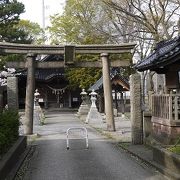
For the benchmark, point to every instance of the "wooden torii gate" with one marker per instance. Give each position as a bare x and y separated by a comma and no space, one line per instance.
69,52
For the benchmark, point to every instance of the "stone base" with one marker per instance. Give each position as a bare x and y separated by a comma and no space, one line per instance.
165,134
83,110
115,112
94,116
83,117
147,124
168,160
10,159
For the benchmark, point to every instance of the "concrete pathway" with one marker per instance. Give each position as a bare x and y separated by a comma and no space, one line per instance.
48,158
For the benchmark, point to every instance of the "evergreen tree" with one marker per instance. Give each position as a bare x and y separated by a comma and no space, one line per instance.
9,18
10,30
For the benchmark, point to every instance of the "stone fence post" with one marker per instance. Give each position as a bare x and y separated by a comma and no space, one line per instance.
147,124
136,110
12,93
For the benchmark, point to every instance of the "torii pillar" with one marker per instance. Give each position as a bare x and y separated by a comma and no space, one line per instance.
30,85
107,92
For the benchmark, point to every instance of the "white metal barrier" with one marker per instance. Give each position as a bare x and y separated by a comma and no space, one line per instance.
83,129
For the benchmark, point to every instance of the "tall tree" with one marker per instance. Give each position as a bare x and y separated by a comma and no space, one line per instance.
153,20
13,30
144,21
158,18
9,18
35,34
78,25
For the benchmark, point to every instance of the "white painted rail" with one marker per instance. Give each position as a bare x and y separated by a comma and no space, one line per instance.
84,135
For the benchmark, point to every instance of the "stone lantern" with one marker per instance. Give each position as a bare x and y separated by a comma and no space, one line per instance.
84,108
37,109
36,97
93,115
93,95
83,96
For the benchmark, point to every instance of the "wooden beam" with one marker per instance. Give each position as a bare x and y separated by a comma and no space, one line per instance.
13,48
59,64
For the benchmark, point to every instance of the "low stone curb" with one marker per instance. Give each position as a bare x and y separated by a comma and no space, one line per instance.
9,160
168,160
17,166
157,166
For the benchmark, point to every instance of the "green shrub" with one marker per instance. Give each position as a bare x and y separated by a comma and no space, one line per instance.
175,149
9,129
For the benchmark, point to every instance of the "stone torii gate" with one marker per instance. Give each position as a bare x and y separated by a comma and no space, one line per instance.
69,52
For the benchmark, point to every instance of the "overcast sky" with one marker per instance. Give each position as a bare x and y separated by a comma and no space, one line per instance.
33,10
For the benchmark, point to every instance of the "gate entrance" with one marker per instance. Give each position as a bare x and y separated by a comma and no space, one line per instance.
69,53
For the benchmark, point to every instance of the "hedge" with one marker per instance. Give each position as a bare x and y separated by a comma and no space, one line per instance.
9,129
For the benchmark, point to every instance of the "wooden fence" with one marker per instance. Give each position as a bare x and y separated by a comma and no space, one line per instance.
166,106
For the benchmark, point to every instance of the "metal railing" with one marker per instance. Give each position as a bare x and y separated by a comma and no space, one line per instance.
84,135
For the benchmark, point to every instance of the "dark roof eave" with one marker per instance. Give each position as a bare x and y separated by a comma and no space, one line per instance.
163,63
161,56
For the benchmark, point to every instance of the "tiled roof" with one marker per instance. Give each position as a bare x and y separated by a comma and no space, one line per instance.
163,55
99,83
53,58
46,74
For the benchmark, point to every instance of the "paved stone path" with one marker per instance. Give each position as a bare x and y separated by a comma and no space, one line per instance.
49,159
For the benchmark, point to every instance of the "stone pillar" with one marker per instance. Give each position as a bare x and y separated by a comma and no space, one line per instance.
136,111
46,100
147,124
122,104
107,93
29,105
116,103
101,102
1,99
12,93
69,98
